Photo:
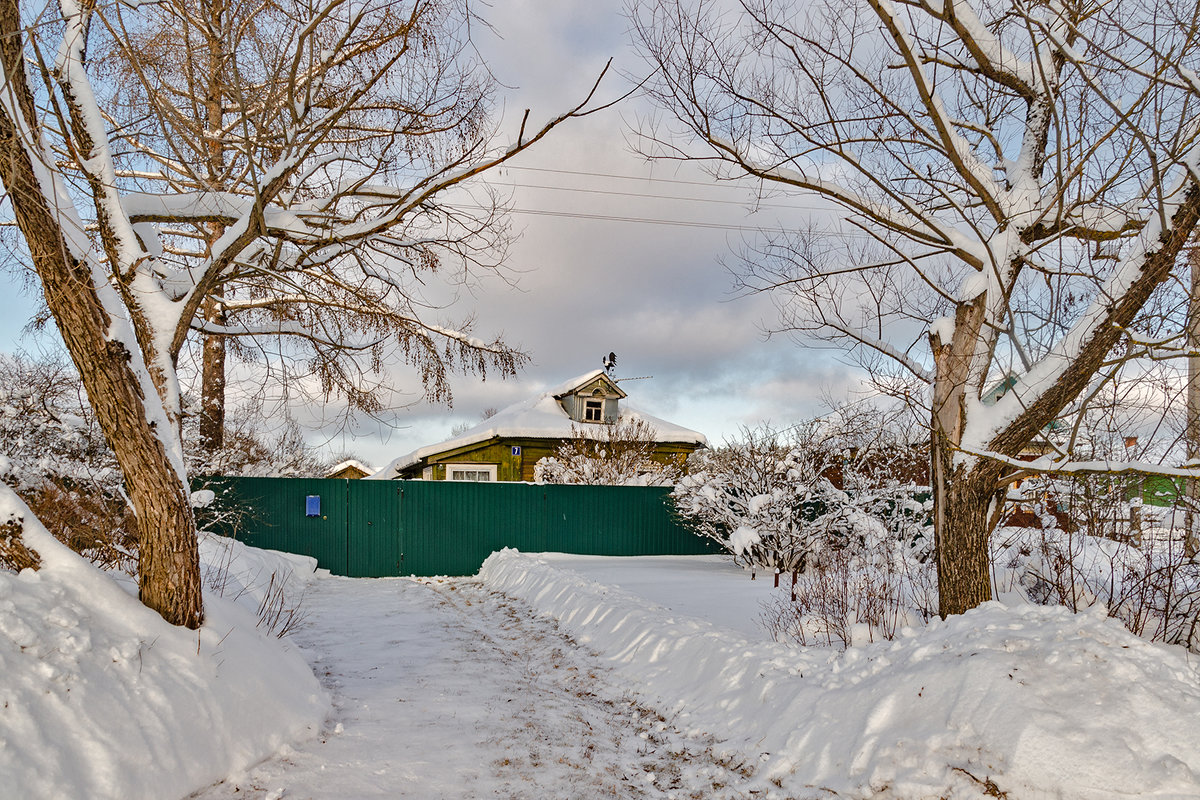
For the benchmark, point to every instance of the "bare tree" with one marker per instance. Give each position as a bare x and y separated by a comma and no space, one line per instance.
321,203
392,84
1028,172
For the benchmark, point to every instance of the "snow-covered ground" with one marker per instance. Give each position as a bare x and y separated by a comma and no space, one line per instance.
569,677
1019,702
443,689
711,588
100,698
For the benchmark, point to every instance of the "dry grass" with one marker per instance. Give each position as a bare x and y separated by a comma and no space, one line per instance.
99,527
844,601
14,553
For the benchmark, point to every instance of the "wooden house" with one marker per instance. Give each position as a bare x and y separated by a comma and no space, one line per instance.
351,469
506,446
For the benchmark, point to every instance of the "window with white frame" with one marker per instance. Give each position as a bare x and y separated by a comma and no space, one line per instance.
470,472
593,410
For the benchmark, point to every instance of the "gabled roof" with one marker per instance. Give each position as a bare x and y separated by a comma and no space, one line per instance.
540,417
365,469
573,385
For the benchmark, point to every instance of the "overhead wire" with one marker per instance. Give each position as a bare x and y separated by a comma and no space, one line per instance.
641,220
742,203
844,235
641,178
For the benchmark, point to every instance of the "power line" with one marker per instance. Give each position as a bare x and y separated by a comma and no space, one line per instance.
537,212
640,178
739,203
638,220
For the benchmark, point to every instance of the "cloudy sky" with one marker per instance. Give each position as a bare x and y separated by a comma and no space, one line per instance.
615,255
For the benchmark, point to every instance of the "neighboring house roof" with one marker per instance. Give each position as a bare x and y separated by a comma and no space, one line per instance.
351,463
541,417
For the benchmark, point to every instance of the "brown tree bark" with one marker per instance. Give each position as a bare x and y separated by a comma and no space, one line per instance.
1191,540
212,383
212,365
168,563
963,506
962,495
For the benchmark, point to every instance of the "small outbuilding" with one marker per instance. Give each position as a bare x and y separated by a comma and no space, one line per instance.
507,445
351,469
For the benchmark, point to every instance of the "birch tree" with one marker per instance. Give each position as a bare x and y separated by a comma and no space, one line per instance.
315,200
1026,176
411,103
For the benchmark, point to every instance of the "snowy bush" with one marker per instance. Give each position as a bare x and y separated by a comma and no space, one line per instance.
48,429
781,499
56,459
750,496
1151,587
615,454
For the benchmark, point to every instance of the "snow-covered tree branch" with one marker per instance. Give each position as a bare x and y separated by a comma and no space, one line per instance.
620,454
316,158
1025,177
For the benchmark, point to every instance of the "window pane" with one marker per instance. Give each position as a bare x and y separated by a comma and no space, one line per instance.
470,475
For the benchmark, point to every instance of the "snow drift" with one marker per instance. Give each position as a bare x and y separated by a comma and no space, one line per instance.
103,699
1029,700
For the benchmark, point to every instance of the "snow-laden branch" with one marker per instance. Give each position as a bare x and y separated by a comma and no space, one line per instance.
1145,265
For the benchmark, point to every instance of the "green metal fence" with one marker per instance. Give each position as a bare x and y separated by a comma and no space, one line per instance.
380,528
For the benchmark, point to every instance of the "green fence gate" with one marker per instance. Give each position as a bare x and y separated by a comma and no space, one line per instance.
380,528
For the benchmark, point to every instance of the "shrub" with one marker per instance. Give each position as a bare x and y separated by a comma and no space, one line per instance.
785,499
615,454
1151,587
850,600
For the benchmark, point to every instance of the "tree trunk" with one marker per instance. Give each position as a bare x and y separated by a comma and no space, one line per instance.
168,562
962,525
1191,541
212,370
212,383
962,491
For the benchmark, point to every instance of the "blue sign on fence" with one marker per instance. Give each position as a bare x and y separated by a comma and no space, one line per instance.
312,505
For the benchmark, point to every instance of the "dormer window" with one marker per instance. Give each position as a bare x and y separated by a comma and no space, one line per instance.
593,410
596,399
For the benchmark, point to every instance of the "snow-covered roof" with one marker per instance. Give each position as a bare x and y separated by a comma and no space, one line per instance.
366,469
541,417
566,387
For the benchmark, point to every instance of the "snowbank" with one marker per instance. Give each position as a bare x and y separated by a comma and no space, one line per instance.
103,699
247,574
1029,700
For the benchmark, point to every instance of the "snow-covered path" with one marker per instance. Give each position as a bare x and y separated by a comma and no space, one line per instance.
442,690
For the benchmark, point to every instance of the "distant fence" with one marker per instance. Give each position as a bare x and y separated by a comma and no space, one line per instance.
380,528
